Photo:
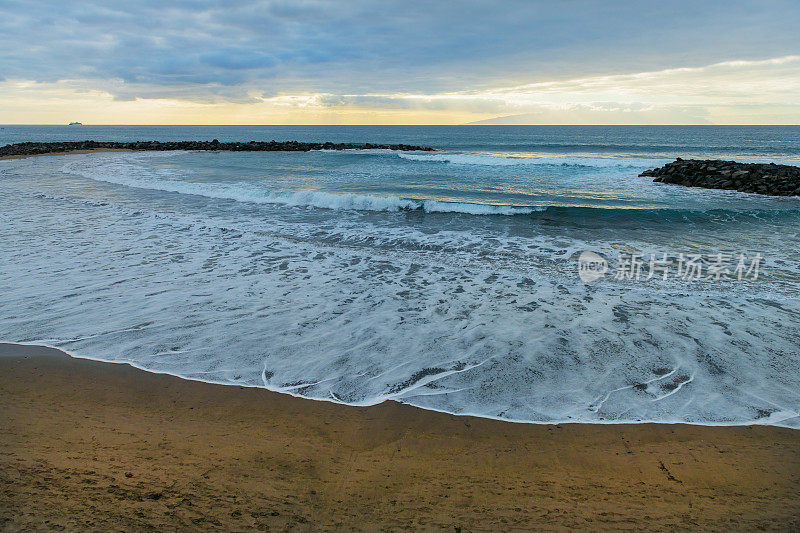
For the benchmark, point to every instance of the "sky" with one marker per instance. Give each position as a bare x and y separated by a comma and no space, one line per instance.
386,62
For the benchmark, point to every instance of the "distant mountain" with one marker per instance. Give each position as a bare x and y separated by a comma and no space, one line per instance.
527,118
603,114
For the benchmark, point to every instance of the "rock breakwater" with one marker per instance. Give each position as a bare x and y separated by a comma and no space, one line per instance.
39,148
760,178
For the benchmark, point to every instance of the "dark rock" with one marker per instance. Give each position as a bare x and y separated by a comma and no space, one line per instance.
36,148
761,178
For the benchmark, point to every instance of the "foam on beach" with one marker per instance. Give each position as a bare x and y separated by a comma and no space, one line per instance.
153,260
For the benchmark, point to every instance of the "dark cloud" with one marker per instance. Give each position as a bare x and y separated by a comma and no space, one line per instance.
209,50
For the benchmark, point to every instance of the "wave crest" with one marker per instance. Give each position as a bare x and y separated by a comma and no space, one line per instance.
496,160
123,173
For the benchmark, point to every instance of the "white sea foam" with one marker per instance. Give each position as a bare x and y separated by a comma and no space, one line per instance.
125,172
339,201
434,206
515,160
483,316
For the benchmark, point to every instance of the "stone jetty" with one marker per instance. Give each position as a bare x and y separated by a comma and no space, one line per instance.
39,148
760,178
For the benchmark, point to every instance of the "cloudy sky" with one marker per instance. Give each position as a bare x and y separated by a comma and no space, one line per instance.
385,62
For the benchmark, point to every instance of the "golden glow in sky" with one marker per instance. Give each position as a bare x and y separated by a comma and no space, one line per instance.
400,62
731,92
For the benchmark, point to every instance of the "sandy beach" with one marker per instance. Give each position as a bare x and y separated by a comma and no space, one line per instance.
70,152
92,445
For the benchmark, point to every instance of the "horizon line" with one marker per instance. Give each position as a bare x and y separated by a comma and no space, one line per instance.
397,125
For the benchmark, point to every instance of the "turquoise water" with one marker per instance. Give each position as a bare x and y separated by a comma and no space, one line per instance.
446,280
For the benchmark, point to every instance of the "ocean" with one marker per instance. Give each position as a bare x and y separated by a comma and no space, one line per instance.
455,280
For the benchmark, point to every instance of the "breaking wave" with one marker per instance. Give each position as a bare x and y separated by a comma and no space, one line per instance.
123,173
499,160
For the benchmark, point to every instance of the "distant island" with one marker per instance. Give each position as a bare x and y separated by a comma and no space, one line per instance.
75,124
759,178
45,148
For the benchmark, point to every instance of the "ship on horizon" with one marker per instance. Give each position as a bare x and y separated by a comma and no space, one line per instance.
75,124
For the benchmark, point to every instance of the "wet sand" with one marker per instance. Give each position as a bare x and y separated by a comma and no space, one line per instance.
91,445
96,150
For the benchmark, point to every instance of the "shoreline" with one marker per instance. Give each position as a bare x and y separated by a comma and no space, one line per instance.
71,152
69,354
204,455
